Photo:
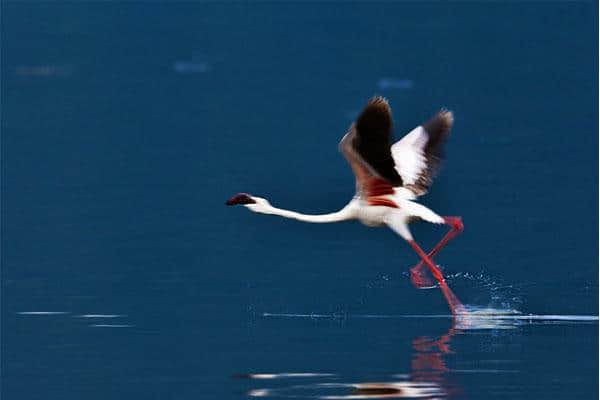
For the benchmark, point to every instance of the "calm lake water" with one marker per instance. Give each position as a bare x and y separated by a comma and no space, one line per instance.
125,127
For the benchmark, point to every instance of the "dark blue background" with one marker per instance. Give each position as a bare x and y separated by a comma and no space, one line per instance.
126,126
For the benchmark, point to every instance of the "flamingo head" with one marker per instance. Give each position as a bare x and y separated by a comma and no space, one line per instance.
253,203
240,198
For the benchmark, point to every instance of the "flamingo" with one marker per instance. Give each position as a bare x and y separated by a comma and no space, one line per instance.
389,177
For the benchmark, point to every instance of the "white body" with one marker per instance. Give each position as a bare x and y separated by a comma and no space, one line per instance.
396,218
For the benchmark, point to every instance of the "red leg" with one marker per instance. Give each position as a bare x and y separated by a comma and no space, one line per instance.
418,275
455,305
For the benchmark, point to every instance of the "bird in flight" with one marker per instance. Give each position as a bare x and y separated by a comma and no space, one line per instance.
389,177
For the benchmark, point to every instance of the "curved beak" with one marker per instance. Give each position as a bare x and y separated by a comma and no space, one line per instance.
240,198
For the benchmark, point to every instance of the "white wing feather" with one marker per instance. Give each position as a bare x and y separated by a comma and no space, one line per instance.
409,156
417,210
399,218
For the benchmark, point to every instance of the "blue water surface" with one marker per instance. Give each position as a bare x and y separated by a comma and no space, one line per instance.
125,127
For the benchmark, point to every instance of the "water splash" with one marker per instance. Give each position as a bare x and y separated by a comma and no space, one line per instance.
487,289
472,317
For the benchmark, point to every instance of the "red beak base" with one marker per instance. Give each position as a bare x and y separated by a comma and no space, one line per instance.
240,198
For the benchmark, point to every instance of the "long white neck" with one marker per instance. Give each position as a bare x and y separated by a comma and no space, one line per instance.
341,215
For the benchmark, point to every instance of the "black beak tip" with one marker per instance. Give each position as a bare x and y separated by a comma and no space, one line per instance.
240,198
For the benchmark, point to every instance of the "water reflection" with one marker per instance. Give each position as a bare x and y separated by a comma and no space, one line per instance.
426,380
333,391
428,362
429,376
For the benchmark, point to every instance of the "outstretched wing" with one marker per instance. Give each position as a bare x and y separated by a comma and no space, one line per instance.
366,146
418,155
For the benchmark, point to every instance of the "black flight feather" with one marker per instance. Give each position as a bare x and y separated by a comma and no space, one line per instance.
438,130
373,139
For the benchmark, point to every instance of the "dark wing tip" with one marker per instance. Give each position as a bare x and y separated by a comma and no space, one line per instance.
377,115
438,129
379,102
441,123
373,139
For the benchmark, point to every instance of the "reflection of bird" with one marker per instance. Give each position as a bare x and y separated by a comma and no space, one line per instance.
388,179
428,365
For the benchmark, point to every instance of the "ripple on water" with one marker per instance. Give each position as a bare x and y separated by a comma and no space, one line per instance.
42,312
366,390
284,375
111,326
